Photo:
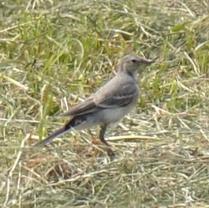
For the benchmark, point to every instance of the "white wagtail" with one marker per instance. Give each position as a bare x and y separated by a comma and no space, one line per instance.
109,104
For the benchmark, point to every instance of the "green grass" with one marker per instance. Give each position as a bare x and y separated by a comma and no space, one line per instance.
54,53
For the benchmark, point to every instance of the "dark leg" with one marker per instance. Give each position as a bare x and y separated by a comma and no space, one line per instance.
101,137
102,133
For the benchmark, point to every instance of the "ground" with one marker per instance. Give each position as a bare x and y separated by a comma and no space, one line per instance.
55,53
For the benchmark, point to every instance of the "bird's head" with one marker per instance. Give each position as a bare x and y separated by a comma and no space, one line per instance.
132,64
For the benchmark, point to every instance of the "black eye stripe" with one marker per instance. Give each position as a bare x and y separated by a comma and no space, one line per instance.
133,60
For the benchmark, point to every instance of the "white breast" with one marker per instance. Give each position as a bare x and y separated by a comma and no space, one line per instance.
114,115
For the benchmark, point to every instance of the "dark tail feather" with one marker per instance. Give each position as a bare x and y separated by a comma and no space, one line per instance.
70,124
58,132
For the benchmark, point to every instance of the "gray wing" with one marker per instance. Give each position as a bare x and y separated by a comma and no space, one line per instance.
119,96
115,93
82,108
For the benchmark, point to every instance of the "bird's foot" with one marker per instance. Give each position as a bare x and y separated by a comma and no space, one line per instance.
104,146
110,153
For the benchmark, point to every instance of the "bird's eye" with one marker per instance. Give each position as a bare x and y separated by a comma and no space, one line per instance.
133,60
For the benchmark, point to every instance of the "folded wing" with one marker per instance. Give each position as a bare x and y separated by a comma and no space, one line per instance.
120,96
85,107
112,95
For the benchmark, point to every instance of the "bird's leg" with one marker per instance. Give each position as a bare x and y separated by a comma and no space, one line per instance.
102,133
101,137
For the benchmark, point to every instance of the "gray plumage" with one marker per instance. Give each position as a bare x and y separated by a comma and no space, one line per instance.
110,103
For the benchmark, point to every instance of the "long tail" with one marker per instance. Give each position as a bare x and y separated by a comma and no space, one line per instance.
70,124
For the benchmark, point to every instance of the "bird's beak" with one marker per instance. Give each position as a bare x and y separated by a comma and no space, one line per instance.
147,61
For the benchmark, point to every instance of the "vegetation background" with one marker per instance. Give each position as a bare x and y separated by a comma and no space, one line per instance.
53,53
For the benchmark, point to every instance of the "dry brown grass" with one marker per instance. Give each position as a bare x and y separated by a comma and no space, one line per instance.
53,53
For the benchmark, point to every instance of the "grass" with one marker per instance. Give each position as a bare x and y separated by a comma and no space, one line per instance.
54,53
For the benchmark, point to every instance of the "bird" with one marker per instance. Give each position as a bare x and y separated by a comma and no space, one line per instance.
109,104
